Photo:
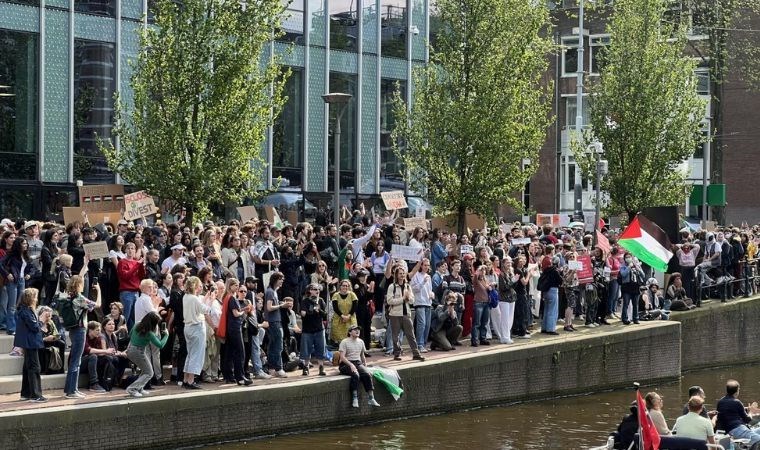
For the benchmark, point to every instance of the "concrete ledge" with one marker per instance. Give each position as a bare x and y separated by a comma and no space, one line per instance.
545,368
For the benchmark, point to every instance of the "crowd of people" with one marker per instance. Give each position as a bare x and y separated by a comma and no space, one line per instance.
251,300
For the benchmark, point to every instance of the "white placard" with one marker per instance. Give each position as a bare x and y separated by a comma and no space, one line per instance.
465,249
394,200
407,253
419,212
138,204
96,250
575,265
521,241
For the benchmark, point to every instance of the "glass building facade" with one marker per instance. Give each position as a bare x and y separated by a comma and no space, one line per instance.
62,61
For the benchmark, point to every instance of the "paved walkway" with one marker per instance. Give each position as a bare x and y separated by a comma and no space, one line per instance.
11,402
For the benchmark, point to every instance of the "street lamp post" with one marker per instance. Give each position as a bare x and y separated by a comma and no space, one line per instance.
601,170
339,100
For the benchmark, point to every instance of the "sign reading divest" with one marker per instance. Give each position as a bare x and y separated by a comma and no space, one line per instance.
407,253
394,200
138,204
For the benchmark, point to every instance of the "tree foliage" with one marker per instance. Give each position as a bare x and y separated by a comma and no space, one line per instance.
204,93
480,107
646,111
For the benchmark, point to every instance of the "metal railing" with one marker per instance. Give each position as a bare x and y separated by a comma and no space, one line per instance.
749,281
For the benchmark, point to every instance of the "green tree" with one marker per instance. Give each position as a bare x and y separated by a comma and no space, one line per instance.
479,108
205,90
646,110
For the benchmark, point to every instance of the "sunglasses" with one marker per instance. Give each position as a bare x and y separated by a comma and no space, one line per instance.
243,291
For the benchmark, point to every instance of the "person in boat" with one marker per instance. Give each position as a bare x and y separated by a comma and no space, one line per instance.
654,407
693,425
734,418
627,429
698,391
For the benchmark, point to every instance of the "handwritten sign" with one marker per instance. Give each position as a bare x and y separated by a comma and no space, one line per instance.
415,222
394,200
575,265
521,241
273,216
73,214
419,212
138,204
463,249
101,197
407,253
586,274
247,213
96,250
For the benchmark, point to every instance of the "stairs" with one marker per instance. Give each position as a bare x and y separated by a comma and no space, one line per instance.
11,368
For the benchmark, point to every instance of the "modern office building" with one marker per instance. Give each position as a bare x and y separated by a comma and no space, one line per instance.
61,61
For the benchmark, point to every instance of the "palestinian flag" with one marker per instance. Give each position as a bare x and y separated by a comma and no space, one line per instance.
646,241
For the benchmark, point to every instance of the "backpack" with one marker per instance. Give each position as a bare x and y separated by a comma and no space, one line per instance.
65,308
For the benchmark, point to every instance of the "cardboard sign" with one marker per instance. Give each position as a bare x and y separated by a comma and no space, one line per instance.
463,249
96,250
407,253
548,219
521,241
420,212
101,198
586,274
588,222
273,216
73,214
710,225
394,200
138,205
414,222
292,217
247,213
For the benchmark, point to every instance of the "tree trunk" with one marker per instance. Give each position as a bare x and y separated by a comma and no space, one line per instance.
461,217
189,215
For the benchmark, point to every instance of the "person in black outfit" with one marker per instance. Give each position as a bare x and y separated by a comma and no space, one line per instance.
365,293
177,323
733,417
233,356
627,429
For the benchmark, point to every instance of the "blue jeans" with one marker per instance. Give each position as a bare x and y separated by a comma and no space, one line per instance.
256,352
480,318
128,299
76,336
3,307
551,305
628,298
744,432
14,289
274,351
613,290
422,324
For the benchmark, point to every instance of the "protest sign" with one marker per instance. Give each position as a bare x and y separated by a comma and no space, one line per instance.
292,217
73,214
465,249
101,198
521,241
575,265
247,213
96,250
138,205
414,222
548,219
407,253
586,274
419,212
273,216
394,200
588,222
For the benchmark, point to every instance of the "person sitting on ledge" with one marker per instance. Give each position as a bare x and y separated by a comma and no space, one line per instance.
445,330
353,364
95,353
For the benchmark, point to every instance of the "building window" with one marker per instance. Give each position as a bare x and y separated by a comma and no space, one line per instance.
569,56
344,25
435,26
699,150
94,86
287,142
597,46
571,111
98,7
391,170
18,105
345,83
292,22
17,203
393,23
703,81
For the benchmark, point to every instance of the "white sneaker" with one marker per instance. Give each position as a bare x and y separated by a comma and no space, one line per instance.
527,336
373,402
507,341
144,392
424,350
262,376
135,394
79,394
355,403
280,374
68,396
591,325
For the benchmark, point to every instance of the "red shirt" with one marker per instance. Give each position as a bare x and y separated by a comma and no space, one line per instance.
130,273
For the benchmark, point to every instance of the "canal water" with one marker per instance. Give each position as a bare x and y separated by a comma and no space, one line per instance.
563,423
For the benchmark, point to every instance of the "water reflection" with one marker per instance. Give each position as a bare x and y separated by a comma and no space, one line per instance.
563,423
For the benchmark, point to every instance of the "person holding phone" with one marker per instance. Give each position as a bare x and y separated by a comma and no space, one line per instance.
141,336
